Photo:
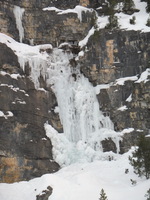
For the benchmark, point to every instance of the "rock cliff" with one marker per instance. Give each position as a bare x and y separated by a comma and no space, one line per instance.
110,57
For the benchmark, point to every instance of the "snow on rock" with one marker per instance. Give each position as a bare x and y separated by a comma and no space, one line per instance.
141,18
139,130
123,108
18,12
121,81
144,76
78,10
127,130
14,76
129,99
102,21
98,88
12,88
31,55
83,42
148,136
6,116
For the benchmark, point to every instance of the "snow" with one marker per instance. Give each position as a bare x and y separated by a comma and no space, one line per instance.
144,76
78,10
129,99
18,12
139,130
6,116
83,181
98,88
14,76
127,130
141,18
102,22
121,81
83,42
15,89
124,19
123,108
56,110
147,135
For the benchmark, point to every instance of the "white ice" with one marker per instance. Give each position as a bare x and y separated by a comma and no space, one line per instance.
18,12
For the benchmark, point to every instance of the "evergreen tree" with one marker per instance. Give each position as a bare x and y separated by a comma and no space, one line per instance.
148,22
128,6
103,195
147,195
140,159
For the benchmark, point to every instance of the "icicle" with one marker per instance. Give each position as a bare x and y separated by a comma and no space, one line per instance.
18,12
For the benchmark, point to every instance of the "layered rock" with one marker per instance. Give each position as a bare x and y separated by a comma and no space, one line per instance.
25,150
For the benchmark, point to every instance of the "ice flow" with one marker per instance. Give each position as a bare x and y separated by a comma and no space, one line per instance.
78,106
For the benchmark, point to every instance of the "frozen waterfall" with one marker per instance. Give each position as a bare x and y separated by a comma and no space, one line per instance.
84,125
77,103
18,12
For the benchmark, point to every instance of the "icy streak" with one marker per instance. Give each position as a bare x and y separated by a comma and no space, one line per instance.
18,12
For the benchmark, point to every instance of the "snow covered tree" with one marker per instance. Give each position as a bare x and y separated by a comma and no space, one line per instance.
148,22
147,195
140,159
110,11
128,6
103,195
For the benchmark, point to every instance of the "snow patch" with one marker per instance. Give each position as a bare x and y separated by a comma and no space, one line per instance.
14,76
83,42
129,99
123,108
6,116
121,81
144,76
78,10
98,88
127,130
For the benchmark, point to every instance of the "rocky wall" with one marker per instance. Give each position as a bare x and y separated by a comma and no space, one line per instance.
25,150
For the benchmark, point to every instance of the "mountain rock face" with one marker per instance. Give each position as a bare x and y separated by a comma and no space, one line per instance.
25,150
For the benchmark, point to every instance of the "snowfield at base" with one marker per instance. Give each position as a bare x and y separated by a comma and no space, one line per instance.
83,181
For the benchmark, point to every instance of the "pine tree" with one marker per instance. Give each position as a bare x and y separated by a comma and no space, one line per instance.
140,159
128,6
103,195
147,195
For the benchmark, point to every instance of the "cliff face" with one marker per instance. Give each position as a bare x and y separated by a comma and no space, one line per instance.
25,150
111,56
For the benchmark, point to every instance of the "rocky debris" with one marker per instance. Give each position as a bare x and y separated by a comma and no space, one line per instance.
45,194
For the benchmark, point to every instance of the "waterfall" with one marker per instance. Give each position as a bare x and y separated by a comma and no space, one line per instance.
84,125
78,106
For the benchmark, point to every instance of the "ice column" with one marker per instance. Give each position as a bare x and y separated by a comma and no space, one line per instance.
18,12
